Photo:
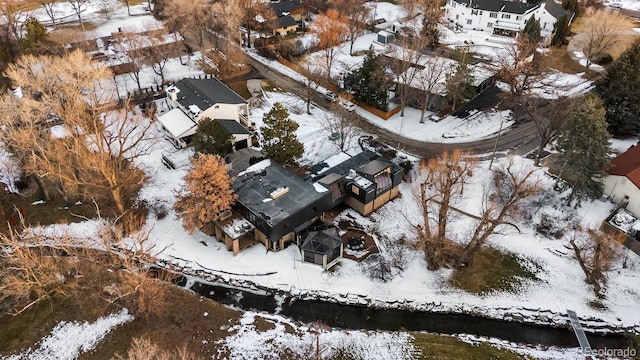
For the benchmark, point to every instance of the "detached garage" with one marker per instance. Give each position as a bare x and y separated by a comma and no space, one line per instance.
239,133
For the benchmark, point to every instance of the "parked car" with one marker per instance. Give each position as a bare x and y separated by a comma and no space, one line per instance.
331,96
348,105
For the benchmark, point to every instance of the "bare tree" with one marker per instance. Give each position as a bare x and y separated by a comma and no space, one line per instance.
311,79
252,10
14,14
502,205
145,349
519,67
192,17
596,253
163,47
48,6
443,179
134,47
602,27
357,14
548,117
79,6
92,151
331,29
340,125
434,69
405,62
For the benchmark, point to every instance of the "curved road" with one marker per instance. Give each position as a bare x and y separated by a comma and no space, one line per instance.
519,139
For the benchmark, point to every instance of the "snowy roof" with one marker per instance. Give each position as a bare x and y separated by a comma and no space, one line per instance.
205,93
499,6
330,162
627,164
258,182
177,123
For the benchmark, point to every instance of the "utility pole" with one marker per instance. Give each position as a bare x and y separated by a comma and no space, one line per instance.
495,145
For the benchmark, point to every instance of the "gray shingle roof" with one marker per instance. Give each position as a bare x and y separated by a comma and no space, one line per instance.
284,7
233,127
205,93
499,5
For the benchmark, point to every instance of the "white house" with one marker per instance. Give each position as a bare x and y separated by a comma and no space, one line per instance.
502,17
192,100
623,183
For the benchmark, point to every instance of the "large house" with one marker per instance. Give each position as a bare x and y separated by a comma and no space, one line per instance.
192,100
364,182
277,207
503,17
623,183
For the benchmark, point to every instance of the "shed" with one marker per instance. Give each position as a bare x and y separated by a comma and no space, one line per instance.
321,245
385,37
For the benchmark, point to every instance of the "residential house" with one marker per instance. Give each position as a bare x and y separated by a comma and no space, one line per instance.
282,25
622,185
482,75
289,16
192,100
364,182
503,17
278,203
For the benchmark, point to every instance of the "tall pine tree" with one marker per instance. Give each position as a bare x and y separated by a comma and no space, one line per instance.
620,92
279,140
560,31
584,141
212,138
370,82
532,29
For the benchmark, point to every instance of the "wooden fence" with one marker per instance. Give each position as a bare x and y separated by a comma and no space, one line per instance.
385,115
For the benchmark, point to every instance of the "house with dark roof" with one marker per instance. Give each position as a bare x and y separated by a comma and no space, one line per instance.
278,203
291,8
622,185
364,182
503,17
283,25
192,100
288,17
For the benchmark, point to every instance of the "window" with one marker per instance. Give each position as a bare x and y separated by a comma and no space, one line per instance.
506,16
469,22
518,17
493,15
544,26
457,17
480,12
489,25
474,12
355,189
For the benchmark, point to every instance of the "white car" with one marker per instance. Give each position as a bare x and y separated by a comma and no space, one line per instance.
347,105
331,96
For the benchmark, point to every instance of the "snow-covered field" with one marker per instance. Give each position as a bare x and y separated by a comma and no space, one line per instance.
560,286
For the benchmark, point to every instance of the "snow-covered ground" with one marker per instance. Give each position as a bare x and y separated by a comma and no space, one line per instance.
68,340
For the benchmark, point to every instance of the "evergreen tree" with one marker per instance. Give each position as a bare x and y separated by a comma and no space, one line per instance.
560,31
532,29
212,138
205,194
584,140
280,142
459,85
36,39
370,82
620,92
571,5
